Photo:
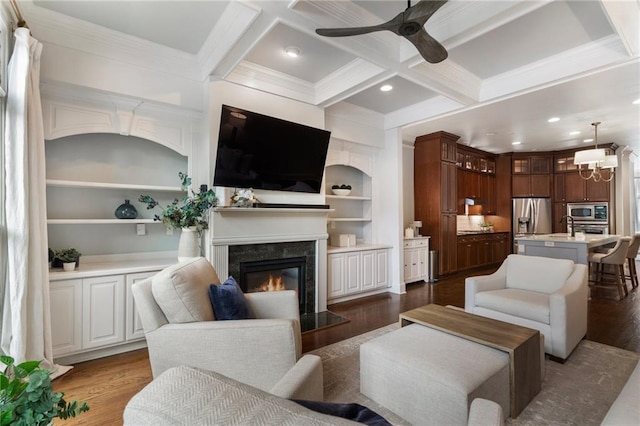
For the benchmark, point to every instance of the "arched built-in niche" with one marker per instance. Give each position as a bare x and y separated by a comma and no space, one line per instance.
90,175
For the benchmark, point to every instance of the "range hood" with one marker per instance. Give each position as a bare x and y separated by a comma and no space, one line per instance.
474,201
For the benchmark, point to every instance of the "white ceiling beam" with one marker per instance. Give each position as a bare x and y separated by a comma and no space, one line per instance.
448,79
624,17
342,80
234,22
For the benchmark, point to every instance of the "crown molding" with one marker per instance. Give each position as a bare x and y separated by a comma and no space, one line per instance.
271,81
65,31
570,64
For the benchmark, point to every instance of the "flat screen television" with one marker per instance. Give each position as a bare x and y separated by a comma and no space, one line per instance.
261,152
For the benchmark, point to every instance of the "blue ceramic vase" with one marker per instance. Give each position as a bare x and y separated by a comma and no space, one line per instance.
126,211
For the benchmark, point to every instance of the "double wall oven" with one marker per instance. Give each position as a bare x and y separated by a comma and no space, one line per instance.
590,218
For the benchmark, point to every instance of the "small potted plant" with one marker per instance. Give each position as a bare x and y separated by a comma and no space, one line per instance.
27,396
69,258
52,256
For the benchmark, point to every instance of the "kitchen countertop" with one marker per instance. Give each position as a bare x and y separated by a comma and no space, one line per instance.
464,233
590,240
563,246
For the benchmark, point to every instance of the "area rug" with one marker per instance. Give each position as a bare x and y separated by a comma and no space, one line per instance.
578,392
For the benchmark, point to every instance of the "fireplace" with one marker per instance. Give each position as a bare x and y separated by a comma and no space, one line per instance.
275,275
276,266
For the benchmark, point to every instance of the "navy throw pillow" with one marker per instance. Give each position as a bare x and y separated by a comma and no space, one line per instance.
228,301
351,411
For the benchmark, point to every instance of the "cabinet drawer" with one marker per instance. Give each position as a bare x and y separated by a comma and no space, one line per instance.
408,243
420,243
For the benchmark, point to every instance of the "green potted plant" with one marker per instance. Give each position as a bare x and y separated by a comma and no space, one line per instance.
27,396
188,214
69,258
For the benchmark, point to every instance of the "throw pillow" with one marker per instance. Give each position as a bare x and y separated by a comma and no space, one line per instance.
351,411
228,301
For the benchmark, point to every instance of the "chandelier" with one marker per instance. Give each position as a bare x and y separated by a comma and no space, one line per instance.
595,161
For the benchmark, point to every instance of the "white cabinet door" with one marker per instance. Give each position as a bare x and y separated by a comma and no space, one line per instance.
415,263
133,325
368,270
66,316
382,269
423,255
407,265
103,300
353,273
337,279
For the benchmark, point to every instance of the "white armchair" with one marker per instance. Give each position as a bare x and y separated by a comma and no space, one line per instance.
265,352
548,295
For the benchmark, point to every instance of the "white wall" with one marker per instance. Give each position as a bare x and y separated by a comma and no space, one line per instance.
407,184
388,204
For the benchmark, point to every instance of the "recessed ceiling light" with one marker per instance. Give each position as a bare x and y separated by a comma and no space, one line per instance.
575,132
587,140
553,119
516,143
292,52
636,102
386,87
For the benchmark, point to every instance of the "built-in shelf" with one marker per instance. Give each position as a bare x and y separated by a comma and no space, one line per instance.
349,219
104,185
98,221
347,197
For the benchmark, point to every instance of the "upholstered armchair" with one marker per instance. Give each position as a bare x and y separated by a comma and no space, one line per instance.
265,352
549,295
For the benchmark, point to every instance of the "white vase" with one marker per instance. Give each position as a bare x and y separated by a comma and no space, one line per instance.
189,245
69,266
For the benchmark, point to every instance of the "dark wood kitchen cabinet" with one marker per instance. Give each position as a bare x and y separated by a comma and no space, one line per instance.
531,175
435,194
481,249
576,189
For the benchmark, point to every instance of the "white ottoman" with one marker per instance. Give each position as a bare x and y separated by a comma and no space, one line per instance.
430,377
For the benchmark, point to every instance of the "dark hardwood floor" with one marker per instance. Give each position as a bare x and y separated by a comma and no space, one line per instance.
108,384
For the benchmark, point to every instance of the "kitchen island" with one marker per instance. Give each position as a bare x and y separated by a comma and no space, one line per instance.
563,246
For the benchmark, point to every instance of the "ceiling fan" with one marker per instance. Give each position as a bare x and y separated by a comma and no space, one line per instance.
408,24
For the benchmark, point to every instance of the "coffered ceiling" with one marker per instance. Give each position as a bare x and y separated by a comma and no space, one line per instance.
512,64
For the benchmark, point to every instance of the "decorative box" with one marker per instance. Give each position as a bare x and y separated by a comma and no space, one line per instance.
343,240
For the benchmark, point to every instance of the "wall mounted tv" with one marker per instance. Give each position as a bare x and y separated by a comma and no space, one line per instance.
261,152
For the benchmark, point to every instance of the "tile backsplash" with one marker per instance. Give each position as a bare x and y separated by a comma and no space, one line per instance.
470,223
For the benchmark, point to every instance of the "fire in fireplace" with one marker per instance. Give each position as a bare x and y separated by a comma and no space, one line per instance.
274,275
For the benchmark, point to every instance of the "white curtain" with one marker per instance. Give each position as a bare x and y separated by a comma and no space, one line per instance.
26,327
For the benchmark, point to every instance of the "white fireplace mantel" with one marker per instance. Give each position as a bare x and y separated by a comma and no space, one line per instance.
239,226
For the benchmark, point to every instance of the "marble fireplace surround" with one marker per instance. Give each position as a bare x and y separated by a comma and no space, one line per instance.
236,226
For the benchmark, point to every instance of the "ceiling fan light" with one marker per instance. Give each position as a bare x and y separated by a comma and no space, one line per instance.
589,156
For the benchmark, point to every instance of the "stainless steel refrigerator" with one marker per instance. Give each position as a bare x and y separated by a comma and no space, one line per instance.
531,216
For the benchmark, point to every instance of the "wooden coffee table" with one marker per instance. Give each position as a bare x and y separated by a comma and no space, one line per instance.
521,343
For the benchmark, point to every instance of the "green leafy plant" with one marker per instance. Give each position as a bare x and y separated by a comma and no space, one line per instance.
189,212
68,255
27,396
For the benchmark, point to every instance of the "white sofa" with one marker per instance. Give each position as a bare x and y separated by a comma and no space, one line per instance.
190,396
548,295
625,410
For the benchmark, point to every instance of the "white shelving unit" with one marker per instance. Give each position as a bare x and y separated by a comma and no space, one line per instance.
352,213
107,185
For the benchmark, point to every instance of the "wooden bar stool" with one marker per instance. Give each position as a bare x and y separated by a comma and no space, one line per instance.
615,257
632,253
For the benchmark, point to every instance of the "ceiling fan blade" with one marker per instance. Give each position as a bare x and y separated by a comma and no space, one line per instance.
390,25
430,49
422,11
342,32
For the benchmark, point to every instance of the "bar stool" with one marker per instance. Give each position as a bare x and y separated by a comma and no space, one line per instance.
632,253
616,257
